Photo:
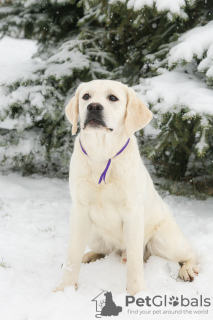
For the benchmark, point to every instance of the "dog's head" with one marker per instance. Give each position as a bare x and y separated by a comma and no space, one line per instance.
107,106
108,295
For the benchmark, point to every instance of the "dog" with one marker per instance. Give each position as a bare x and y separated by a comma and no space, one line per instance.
115,207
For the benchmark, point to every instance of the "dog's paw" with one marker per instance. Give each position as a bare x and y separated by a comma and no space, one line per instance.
188,271
92,257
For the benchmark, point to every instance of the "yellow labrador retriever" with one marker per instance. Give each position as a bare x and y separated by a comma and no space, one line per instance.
115,206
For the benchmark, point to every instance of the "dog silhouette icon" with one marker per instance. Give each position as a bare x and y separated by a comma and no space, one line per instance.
110,308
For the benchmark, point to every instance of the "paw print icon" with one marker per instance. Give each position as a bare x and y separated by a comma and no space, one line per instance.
173,301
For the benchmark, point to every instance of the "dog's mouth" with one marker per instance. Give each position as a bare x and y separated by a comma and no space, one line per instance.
96,123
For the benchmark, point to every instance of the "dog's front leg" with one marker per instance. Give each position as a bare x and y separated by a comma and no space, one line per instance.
133,227
80,226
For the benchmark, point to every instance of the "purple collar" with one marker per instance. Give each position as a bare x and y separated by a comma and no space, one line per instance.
103,175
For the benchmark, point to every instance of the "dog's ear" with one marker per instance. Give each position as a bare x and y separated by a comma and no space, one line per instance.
72,110
137,113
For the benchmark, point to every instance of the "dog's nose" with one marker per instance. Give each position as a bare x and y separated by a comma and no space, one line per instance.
94,107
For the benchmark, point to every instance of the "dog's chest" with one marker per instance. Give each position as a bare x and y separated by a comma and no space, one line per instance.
105,203
110,194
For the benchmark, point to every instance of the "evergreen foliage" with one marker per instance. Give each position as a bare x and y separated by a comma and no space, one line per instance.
41,140
159,48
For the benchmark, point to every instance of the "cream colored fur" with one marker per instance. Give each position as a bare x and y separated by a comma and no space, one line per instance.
126,214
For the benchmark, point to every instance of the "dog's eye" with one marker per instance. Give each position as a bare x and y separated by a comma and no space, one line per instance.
86,96
112,98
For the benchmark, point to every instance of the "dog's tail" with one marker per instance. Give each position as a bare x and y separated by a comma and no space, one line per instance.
119,309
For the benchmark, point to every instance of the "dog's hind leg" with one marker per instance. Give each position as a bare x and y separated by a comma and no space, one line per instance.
168,242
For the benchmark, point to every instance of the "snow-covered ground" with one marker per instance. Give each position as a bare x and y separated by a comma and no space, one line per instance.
34,230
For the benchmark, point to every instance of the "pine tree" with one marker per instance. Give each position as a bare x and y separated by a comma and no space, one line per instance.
41,140
163,49
168,44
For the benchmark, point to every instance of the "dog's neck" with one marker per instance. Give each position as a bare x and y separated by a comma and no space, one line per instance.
102,146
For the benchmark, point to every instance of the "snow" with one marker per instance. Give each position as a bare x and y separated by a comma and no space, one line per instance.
206,65
66,61
15,57
74,55
173,90
15,64
8,124
176,90
15,51
34,231
208,61
201,145
173,6
209,73
192,43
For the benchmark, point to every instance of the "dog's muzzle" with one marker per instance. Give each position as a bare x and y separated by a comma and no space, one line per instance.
94,116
